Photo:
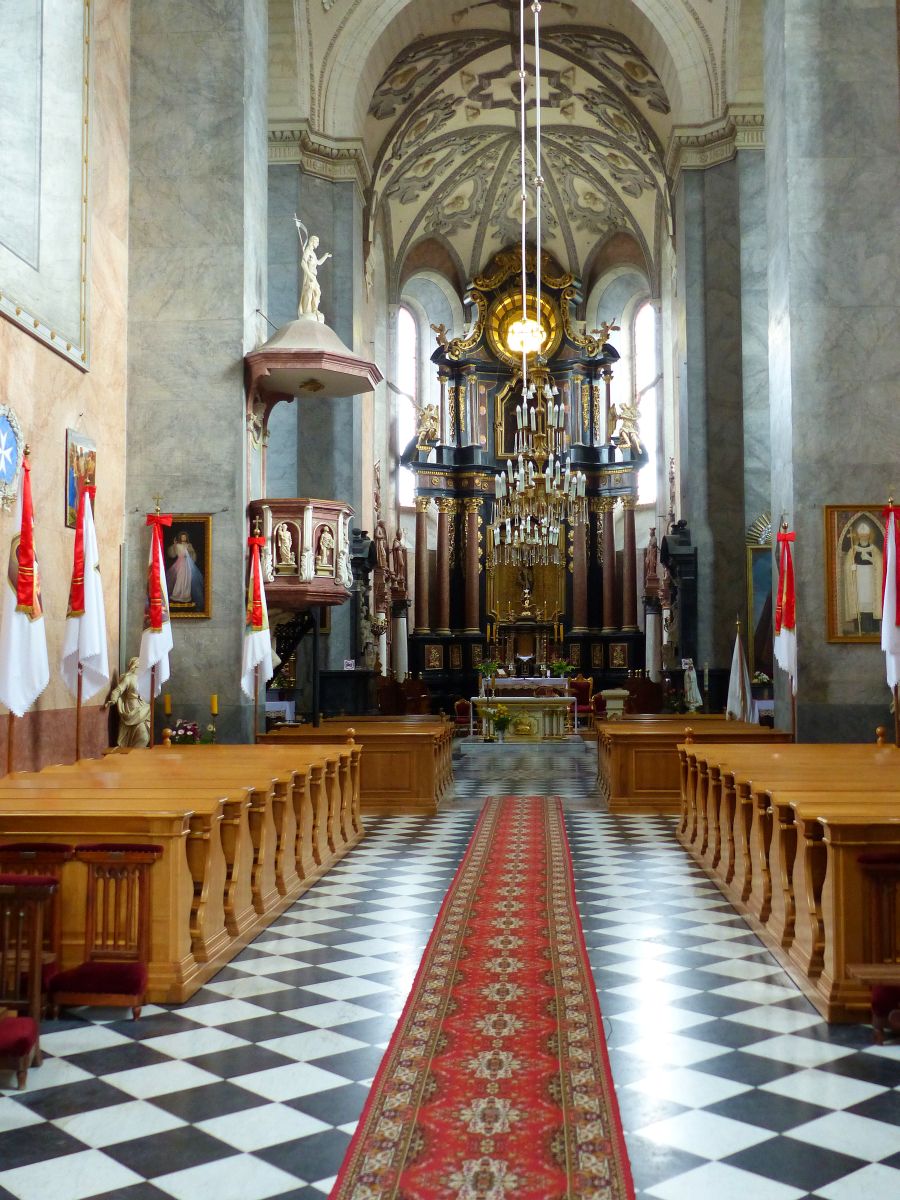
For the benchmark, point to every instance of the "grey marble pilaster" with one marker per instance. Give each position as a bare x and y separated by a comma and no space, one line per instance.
197,274
834,304
751,168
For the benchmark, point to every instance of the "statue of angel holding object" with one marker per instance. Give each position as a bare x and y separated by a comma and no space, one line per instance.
310,289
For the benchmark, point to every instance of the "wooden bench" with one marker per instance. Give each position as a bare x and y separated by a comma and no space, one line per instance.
245,830
406,764
638,763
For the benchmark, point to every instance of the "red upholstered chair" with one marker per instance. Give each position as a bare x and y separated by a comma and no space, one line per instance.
598,705
463,710
116,930
47,859
22,902
882,970
581,688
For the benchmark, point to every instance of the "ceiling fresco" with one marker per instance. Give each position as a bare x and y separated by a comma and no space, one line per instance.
443,136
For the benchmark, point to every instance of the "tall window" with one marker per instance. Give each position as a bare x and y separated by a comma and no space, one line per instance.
647,380
405,404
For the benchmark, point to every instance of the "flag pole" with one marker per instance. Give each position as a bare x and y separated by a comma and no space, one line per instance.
152,704
78,711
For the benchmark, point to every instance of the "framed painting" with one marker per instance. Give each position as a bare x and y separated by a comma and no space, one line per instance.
854,557
188,555
455,657
618,655
597,656
434,657
760,610
574,654
477,654
81,471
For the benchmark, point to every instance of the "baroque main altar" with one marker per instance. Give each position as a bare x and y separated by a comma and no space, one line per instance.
526,490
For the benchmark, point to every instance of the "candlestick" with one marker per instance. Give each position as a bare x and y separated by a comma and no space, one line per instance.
214,705
167,704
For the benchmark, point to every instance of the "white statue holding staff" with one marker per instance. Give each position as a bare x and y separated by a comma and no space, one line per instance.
310,289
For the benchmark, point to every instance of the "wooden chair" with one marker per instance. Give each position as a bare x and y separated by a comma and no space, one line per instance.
582,689
463,709
882,972
22,902
45,859
116,933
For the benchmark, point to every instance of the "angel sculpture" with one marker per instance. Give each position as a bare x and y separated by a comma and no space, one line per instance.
310,289
627,435
429,423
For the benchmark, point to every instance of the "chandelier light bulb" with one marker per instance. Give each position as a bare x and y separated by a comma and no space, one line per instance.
525,336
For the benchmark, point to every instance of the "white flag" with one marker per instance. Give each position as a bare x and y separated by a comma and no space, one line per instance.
257,651
156,640
85,636
24,666
740,697
890,630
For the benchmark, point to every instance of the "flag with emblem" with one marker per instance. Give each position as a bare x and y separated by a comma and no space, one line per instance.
84,644
257,652
785,646
24,666
156,639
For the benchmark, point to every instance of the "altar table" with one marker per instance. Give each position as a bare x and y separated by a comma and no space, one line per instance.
533,718
535,684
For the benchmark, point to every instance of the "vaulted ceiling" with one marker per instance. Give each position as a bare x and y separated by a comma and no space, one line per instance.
443,132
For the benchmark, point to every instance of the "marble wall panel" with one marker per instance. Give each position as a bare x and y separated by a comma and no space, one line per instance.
754,333
49,394
198,238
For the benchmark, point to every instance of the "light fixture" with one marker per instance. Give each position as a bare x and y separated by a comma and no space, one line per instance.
538,494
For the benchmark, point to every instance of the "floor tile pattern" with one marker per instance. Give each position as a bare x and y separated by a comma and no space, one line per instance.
729,1084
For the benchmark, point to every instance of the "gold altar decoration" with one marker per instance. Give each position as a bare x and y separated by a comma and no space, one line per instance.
506,312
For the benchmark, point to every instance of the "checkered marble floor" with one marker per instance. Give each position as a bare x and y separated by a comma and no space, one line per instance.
730,1086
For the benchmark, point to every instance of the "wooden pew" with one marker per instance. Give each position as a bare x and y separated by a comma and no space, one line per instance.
257,826
404,766
638,763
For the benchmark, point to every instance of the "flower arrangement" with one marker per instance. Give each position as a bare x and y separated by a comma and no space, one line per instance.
500,717
559,668
488,668
185,732
760,677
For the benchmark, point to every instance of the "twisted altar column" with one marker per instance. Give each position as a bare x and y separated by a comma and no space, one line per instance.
607,505
422,625
579,579
629,570
473,566
445,509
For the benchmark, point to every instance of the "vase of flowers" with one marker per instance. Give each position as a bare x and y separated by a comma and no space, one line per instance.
501,721
185,733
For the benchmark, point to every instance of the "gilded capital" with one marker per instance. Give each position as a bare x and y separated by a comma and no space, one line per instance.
607,503
422,503
446,504
629,502
472,504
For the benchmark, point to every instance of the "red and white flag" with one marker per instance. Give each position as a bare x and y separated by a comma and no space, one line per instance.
257,650
739,705
24,666
890,609
85,636
156,640
786,611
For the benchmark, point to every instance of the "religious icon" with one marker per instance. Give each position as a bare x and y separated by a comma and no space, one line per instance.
188,555
456,657
325,552
81,471
434,657
597,656
854,553
618,655
477,655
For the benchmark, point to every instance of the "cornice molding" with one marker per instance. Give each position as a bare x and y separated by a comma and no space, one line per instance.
696,147
338,161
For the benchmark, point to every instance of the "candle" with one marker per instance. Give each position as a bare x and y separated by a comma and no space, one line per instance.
214,705
167,704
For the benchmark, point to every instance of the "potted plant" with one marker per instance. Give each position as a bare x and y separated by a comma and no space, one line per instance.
487,670
560,669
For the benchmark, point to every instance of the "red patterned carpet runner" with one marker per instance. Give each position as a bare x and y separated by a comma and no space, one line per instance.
496,1084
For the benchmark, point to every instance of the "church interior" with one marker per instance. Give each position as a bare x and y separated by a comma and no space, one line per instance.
450,662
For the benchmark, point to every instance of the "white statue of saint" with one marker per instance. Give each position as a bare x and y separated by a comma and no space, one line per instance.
310,289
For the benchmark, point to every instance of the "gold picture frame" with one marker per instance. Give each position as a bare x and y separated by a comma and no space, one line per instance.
187,554
434,657
854,549
618,656
596,656
455,657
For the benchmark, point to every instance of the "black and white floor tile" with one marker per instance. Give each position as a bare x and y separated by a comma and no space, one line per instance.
729,1084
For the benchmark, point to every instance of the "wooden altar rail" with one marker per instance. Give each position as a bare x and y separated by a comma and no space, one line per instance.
637,760
780,829
245,830
407,765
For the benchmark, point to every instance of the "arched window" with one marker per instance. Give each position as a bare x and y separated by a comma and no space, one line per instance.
405,400
647,380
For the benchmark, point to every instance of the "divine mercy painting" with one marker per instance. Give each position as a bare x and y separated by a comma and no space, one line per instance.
188,554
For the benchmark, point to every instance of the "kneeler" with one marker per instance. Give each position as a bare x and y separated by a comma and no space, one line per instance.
46,859
22,902
116,930
882,972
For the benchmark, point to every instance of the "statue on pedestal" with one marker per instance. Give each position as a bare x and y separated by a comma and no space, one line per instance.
134,712
310,289
399,561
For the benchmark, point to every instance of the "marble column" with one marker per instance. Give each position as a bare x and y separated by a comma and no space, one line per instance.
423,624
579,579
196,276
442,612
834,309
473,566
609,566
629,568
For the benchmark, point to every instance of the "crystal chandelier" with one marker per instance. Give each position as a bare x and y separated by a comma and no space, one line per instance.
539,493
